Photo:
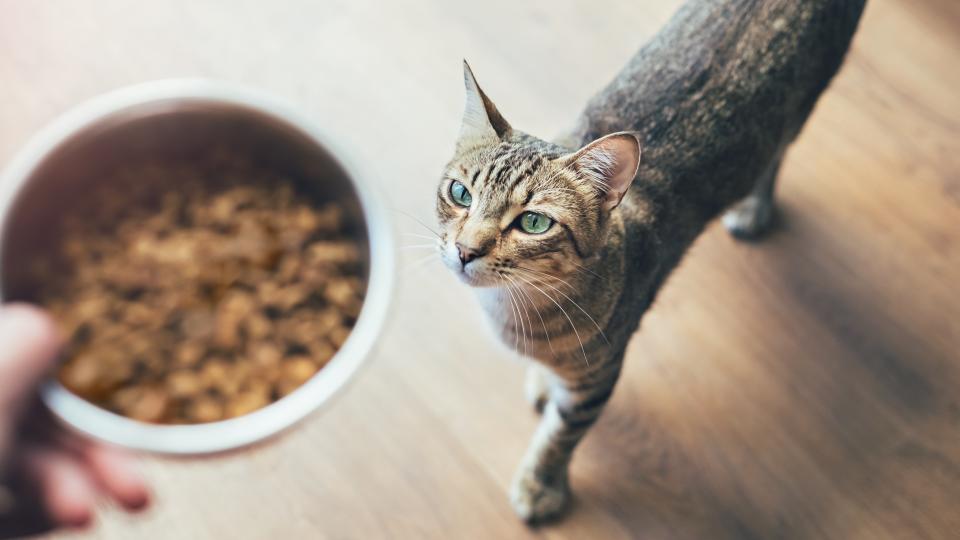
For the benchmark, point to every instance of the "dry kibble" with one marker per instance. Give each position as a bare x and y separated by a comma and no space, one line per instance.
82,374
286,298
305,219
230,314
204,409
233,379
266,355
184,384
299,330
247,402
257,326
328,219
91,308
298,370
145,403
189,353
339,292
137,344
197,324
326,321
339,335
321,351
223,207
260,386
204,302
213,372
289,267
140,315
285,388
267,292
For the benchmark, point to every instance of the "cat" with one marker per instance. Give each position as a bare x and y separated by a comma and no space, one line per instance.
567,242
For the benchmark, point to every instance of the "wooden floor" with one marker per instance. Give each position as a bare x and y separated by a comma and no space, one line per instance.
803,387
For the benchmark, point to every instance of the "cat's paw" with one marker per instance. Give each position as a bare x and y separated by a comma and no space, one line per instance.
750,218
536,388
536,501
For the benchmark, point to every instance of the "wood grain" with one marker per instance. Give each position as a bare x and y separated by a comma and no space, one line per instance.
801,387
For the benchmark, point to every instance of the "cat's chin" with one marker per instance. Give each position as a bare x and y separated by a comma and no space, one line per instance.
474,276
477,279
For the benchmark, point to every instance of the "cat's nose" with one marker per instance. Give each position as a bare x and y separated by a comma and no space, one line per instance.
467,254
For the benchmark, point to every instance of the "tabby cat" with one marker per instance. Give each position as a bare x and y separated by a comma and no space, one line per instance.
568,241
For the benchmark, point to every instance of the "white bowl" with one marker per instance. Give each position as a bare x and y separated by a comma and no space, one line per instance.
170,118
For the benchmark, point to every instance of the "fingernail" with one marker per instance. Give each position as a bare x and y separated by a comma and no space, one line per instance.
80,521
139,501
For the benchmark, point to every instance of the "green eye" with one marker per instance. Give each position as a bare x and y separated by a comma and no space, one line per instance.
459,194
534,223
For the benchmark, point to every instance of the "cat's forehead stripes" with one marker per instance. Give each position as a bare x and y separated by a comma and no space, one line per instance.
505,166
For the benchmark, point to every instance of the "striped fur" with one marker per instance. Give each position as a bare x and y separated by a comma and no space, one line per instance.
714,100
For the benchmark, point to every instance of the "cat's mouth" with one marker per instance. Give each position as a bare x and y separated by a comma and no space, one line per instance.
476,273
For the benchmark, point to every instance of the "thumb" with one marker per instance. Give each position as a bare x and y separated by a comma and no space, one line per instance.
29,343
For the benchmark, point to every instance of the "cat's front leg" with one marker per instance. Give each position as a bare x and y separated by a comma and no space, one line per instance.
541,488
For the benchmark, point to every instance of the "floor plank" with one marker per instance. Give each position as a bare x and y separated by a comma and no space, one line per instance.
802,387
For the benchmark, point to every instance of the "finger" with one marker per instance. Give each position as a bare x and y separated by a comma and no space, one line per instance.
30,343
113,469
66,490
116,473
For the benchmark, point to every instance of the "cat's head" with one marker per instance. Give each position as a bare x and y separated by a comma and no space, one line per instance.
514,208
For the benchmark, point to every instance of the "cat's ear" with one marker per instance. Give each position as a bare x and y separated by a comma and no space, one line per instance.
481,119
610,163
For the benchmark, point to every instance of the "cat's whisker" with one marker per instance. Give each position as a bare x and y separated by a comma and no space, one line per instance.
419,264
572,301
544,278
414,218
584,268
544,274
536,310
513,307
536,279
519,319
421,236
523,329
526,310
547,275
513,299
499,277
512,286
420,246
573,326
579,268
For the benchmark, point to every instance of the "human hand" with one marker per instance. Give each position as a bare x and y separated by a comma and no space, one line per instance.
48,478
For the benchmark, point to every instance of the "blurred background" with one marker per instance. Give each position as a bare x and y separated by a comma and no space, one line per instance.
801,387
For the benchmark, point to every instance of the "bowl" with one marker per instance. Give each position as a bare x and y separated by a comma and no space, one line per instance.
176,119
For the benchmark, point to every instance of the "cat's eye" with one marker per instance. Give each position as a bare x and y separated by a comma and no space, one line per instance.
459,194
534,223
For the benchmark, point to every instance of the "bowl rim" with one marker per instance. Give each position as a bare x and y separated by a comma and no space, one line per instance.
87,418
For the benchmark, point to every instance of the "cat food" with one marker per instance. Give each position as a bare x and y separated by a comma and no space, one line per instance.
203,302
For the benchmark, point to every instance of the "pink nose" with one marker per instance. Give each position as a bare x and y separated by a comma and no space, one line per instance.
467,254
